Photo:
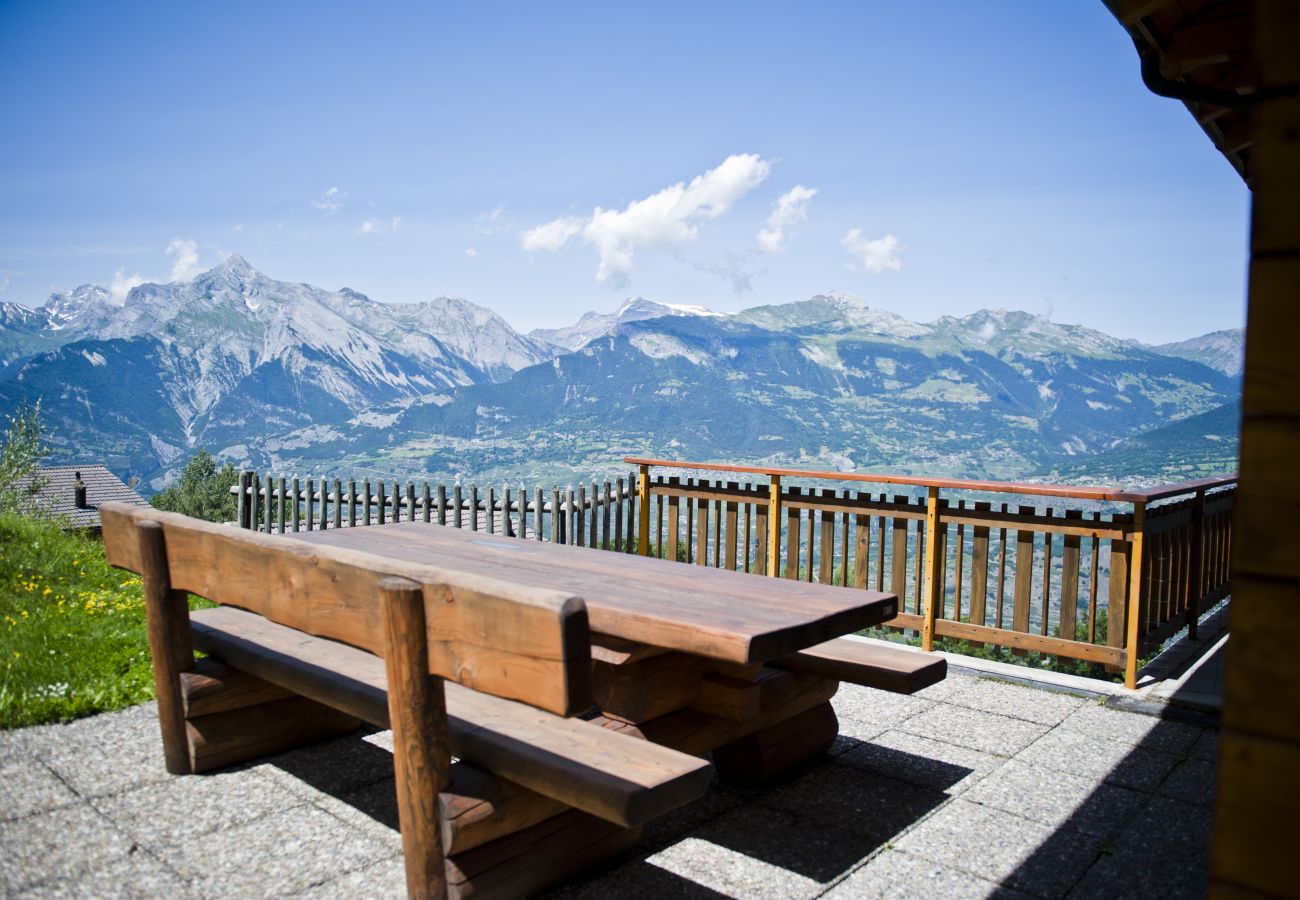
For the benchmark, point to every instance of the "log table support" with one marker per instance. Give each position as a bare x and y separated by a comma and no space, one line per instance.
764,755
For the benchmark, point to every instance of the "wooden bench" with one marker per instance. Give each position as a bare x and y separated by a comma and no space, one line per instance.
309,641
894,669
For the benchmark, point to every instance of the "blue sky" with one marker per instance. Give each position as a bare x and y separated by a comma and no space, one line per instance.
950,155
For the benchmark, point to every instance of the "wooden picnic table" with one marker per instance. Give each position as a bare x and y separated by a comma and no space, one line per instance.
712,613
485,648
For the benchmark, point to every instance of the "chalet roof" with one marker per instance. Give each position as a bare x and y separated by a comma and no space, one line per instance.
57,496
1202,53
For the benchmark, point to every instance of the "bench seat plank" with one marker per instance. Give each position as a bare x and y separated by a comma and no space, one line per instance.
619,778
899,670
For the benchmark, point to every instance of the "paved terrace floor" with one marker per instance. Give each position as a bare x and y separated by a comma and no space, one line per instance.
975,787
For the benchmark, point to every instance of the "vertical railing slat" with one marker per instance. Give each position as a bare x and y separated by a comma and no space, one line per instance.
1070,544
898,557
862,549
792,520
979,569
1023,591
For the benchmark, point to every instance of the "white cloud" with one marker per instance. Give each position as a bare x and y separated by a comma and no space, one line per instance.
493,222
470,251
379,226
121,285
669,217
185,265
239,227
330,202
5,282
789,209
874,256
551,236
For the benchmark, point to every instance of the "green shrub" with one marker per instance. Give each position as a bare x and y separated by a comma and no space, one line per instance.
203,490
20,453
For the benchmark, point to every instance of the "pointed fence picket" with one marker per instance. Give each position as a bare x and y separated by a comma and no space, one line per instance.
598,515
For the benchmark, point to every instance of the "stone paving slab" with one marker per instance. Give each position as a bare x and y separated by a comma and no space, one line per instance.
976,729
941,766
27,785
58,844
970,788
1055,798
898,875
1003,847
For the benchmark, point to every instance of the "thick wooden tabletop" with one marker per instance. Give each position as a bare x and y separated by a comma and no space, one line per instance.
715,613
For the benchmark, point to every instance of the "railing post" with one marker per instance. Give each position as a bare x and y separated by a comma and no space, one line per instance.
933,590
1196,565
1134,607
241,503
643,512
774,526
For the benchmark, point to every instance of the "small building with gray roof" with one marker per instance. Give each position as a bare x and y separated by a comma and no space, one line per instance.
75,492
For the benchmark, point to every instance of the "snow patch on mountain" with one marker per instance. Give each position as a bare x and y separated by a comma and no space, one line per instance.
594,325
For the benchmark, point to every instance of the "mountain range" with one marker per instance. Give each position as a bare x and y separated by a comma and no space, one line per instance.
293,377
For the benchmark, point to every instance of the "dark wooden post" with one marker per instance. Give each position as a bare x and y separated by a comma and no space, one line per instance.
932,592
417,713
241,502
1196,565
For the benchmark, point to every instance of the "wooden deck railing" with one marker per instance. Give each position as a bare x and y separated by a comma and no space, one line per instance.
1057,575
566,516
1061,579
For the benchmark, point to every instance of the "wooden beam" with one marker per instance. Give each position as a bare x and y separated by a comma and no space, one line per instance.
1200,43
1129,11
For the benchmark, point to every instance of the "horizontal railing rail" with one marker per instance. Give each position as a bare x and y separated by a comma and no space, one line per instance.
1104,580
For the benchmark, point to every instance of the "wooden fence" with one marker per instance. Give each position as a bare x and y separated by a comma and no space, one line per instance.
599,518
1058,576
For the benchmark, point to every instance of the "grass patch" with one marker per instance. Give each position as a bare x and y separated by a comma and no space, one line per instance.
72,628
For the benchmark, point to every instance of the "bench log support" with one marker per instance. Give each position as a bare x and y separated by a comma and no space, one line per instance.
417,710
764,755
167,619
